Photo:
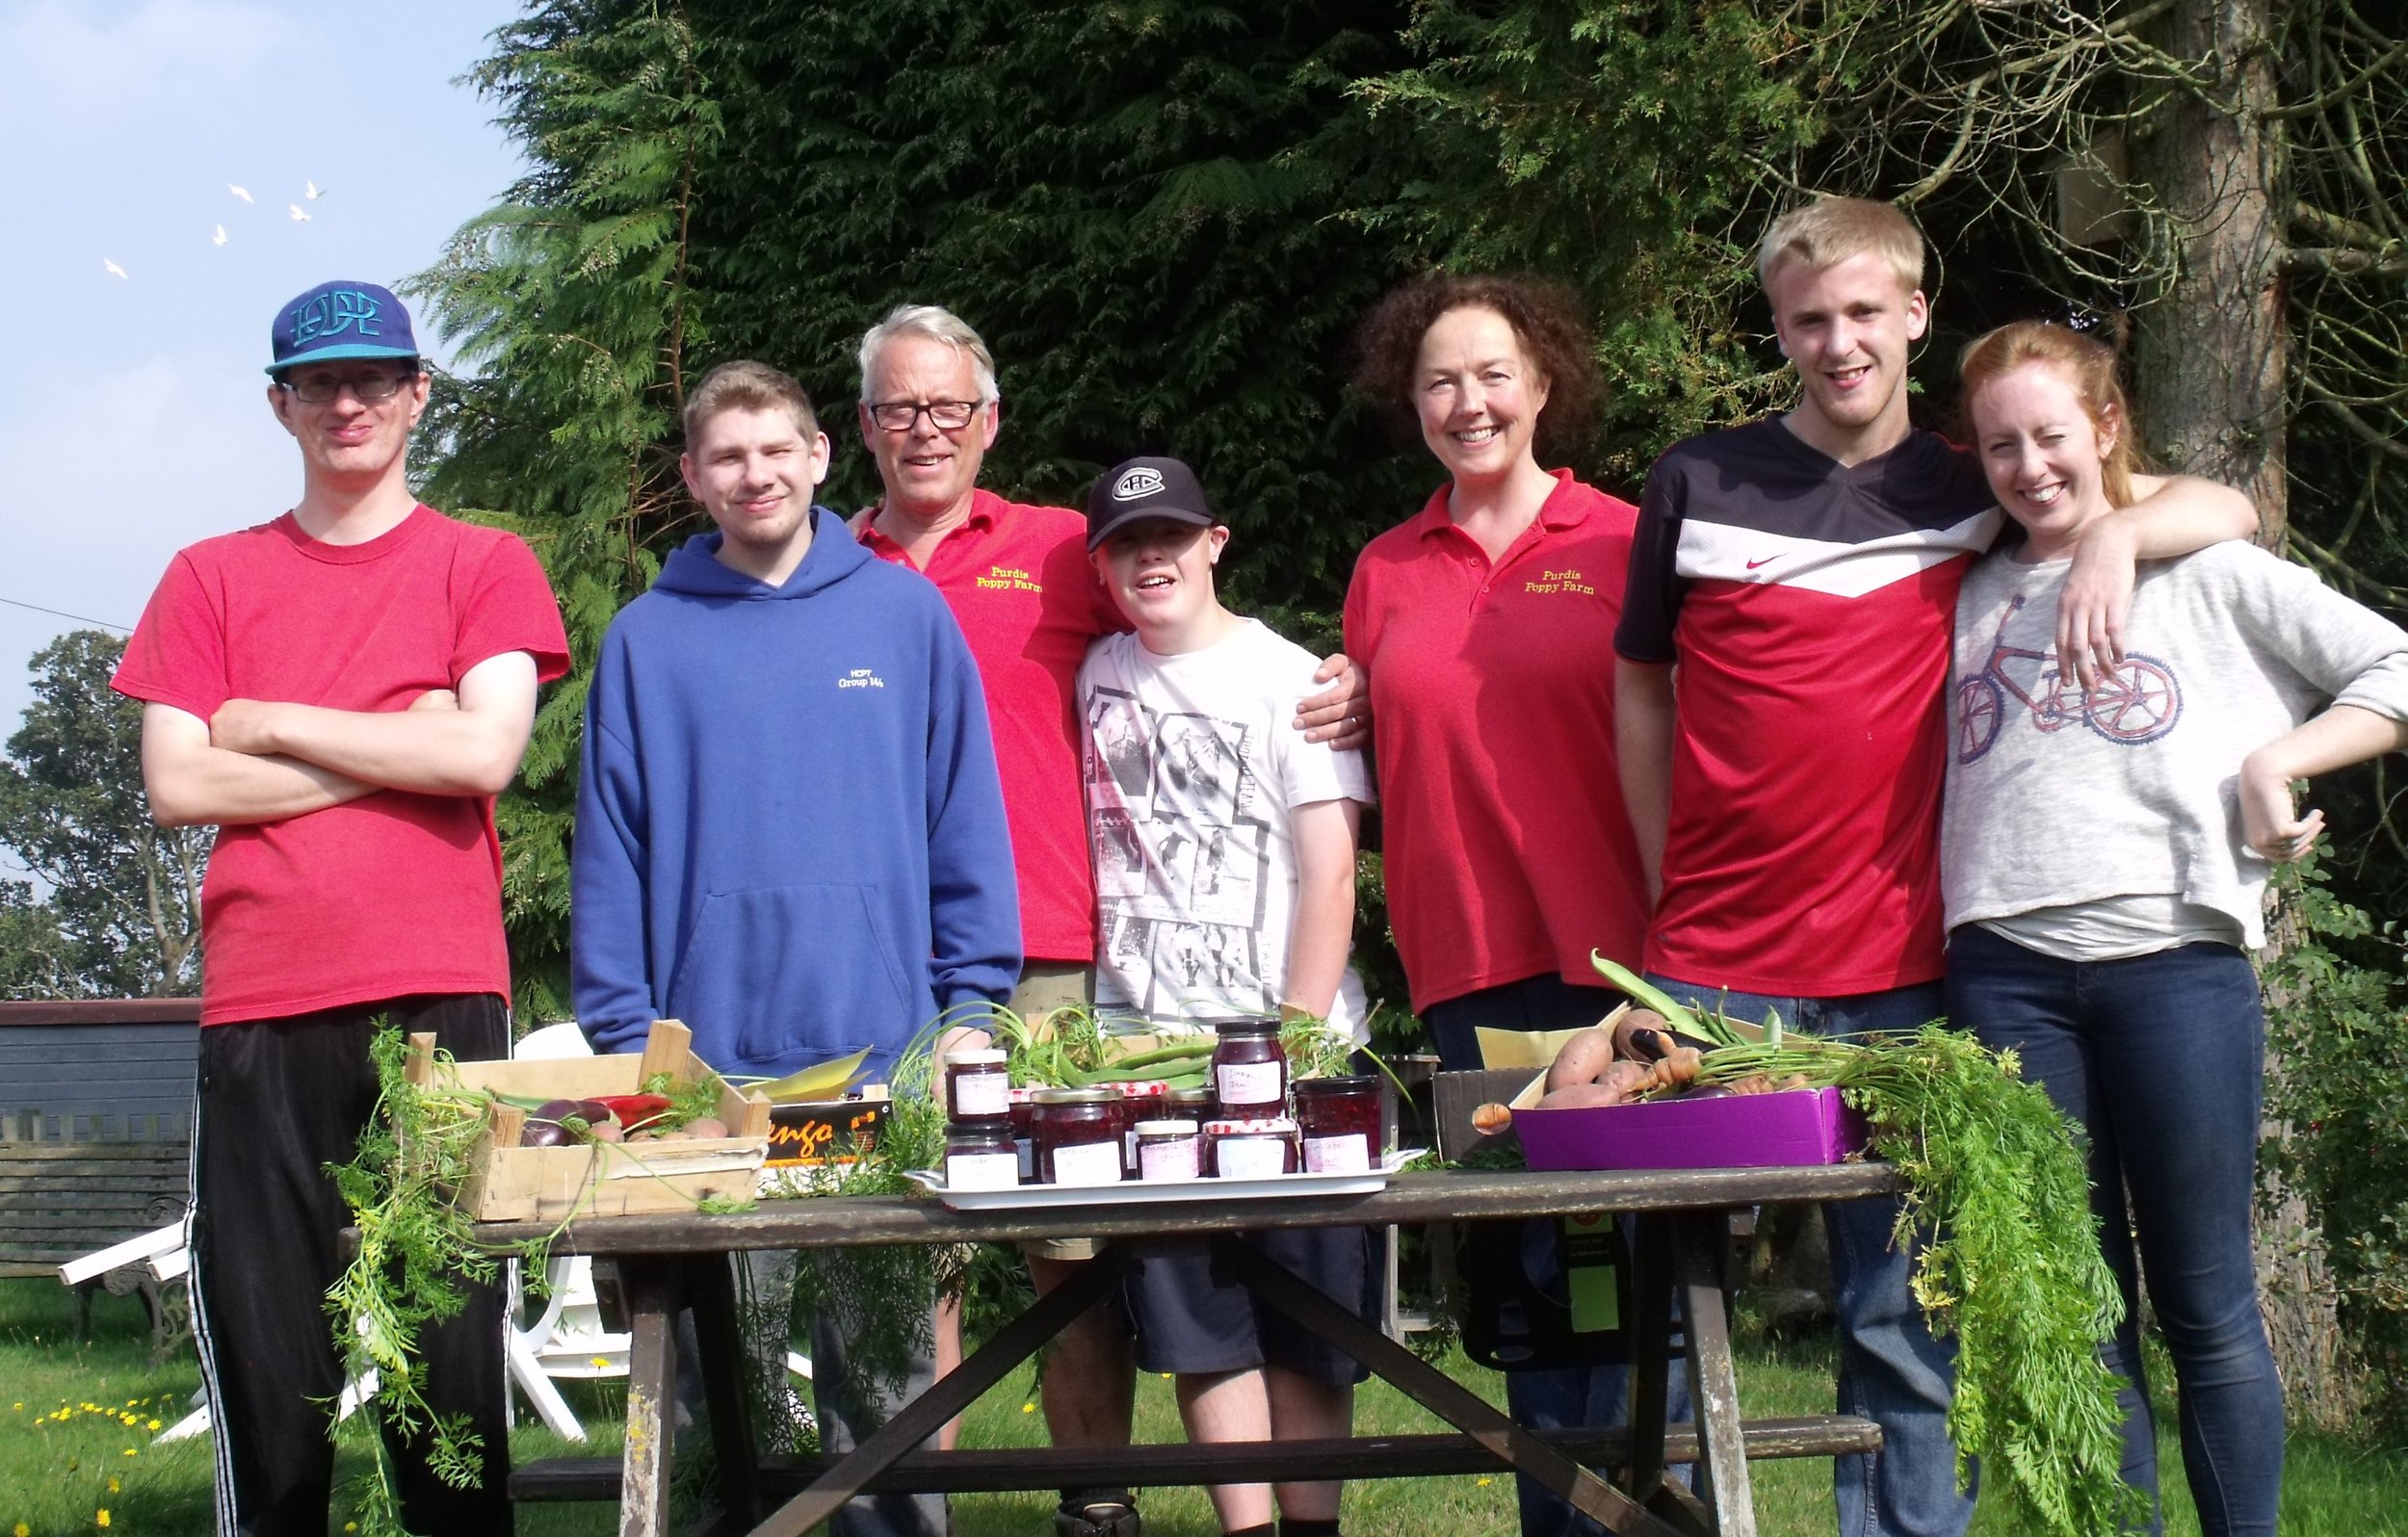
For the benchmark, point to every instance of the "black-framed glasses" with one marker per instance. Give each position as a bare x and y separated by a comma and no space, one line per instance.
317,389
946,416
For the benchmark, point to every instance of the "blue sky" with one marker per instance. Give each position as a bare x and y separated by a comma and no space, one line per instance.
132,412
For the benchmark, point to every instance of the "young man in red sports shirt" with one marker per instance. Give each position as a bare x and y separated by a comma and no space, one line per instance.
343,691
1783,783
1018,580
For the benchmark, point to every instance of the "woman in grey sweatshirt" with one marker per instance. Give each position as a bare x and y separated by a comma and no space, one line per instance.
2105,844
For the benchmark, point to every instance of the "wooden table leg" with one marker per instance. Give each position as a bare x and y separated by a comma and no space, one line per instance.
724,1356
1723,1481
1441,1394
948,1395
1651,1351
651,1286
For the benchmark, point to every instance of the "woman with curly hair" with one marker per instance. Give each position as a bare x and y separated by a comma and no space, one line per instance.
1485,624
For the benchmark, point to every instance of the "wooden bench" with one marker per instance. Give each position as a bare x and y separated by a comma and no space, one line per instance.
60,1201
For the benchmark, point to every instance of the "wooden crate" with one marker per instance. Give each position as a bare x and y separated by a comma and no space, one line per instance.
516,1183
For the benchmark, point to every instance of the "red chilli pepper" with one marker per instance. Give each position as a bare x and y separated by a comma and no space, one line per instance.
630,1110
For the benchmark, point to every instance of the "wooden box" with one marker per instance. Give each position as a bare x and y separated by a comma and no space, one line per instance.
516,1183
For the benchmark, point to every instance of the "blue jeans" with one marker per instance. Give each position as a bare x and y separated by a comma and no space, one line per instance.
1544,1397
1891,1371
2160,1057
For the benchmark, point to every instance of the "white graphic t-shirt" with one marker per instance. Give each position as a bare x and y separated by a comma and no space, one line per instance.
1191,765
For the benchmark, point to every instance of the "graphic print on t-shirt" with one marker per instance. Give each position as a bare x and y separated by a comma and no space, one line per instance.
1181,857
2137,700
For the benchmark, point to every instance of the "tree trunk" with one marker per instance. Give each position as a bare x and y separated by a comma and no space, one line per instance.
2212,348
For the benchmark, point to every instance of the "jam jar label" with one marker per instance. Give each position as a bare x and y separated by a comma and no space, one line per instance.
1172,1158
981,1095
1087,1164
981,1171
1245,1083
1350,1153
1250,1158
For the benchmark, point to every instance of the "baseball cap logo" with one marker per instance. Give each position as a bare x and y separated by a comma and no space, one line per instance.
332,314
1139,482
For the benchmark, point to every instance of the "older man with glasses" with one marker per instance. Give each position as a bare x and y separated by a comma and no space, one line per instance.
342,690
1018,579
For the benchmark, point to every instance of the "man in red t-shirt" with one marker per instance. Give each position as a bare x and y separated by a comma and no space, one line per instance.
1018,579
1802,570
343,691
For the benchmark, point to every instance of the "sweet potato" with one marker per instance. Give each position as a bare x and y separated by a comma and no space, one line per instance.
1583,1058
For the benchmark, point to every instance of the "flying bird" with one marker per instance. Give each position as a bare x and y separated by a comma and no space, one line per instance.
219,239
299,218
314,193
113,267
244,193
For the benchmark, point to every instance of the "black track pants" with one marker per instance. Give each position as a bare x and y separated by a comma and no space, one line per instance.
278,1101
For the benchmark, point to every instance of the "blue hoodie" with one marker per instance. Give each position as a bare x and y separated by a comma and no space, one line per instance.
789,834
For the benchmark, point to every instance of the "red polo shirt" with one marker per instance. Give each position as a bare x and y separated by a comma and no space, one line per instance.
1508,852
1019,581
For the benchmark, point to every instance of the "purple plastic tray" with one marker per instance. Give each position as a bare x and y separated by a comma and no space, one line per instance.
1740,1131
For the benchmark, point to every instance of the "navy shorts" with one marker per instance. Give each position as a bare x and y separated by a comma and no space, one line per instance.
1187,1321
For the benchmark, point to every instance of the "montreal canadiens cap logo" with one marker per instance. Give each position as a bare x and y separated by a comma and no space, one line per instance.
1139,482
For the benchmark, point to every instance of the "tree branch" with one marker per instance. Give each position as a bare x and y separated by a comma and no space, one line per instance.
2340,262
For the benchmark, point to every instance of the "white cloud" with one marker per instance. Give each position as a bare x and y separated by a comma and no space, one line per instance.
76,64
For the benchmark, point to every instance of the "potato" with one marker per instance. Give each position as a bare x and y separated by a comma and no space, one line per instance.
706,1126
1630,1023
1583,1058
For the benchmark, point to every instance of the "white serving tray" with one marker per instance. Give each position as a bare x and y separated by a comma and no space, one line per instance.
1149,1192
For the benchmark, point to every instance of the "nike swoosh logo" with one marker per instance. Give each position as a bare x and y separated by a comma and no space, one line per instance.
1767,560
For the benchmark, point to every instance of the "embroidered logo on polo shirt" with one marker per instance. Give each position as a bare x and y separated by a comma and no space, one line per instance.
1007,579
1138,483
1567,581
861,678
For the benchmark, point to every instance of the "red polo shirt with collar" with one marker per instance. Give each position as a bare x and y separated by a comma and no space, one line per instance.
1508,852
1019,582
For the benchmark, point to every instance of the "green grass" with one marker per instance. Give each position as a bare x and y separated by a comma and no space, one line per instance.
55,1472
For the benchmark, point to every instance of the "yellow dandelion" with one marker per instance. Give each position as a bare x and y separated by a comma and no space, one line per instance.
1485,1482
601,1362
1028,1408
130,1402
129,1451
101,1519
153,1424
351,1526
112,1483
22,1530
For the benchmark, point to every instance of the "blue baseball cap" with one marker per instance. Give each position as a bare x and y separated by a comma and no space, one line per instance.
341,320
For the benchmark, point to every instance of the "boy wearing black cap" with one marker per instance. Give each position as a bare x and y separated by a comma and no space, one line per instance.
343,690
1225,864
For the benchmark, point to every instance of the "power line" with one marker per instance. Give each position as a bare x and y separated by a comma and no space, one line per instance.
79,619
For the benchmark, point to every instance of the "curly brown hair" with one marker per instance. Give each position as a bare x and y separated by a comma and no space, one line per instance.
1546,318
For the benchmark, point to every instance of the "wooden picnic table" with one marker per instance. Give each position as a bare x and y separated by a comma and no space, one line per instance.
679,1260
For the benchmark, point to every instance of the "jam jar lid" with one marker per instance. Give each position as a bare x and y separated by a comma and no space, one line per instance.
1021,1096
977,1131
1145,1128
1076,1096
1190,1096
1248,1025
1141,1088
977,1058
1258,1125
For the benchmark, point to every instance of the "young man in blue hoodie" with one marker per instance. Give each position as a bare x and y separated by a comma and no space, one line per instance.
789,834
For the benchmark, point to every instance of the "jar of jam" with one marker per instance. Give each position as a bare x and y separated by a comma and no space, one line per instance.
1023,1124
978,1156
1339,1118
1140,1100
1251,1148
1077,1136
1169,1150
1250,1070
978,1086
1189,1103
